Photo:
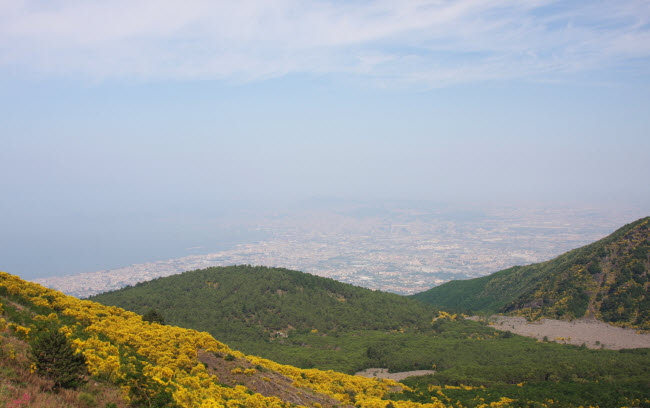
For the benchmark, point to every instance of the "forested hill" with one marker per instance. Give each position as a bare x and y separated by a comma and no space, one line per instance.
245,303
608,279
108,357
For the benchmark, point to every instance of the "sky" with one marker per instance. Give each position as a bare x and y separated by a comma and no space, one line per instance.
128,126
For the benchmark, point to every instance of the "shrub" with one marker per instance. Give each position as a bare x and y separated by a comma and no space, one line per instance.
594,268
86,400
153,316
55,359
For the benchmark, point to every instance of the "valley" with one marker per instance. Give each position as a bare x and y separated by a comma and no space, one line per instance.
247,335
400,247
324,204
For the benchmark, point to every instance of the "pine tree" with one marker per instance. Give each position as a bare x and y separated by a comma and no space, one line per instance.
153,316
55,359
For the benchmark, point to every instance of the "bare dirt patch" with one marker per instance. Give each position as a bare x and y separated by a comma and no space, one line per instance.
593,333
383,373
261,380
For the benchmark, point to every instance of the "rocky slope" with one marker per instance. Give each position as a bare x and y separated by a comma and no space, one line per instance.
608,280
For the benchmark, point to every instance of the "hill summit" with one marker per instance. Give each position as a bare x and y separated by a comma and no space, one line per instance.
608,280
256,305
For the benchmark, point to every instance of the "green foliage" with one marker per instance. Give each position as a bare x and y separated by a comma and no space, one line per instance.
141,391
153,316
461,351
487,294
306,321
86,399
244,304
468,353
55,359
610,276
563,394
578,303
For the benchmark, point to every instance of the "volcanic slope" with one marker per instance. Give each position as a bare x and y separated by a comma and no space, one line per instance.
256,305
148,364
608,280
157,365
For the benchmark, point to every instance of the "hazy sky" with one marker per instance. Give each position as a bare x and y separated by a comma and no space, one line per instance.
115,111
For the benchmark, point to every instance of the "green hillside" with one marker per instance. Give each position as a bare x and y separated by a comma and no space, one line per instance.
608,279
264,310
133,363
330,325
243,301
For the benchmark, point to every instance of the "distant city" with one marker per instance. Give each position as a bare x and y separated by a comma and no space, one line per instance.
398,248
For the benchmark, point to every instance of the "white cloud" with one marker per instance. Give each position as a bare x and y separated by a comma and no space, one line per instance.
425,42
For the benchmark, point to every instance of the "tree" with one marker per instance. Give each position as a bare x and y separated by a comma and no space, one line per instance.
55,359
153,316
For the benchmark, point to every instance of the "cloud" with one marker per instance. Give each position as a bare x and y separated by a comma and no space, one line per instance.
421,42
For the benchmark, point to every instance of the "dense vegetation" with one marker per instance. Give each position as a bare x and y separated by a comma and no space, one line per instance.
159,366
462,352
470,354
477,366
40,369
257,307
55,357
608,279
308,321
525,395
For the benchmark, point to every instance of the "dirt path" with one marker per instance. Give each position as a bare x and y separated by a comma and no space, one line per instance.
593,333
383,373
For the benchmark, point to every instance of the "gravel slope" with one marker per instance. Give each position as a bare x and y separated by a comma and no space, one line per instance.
593,333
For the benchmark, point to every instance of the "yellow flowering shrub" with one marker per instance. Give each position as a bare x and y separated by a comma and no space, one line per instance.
445,316
146,360
160,358
21,331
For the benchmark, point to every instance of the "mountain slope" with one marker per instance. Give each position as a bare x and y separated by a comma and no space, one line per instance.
21,387
260,307
608,279
164,366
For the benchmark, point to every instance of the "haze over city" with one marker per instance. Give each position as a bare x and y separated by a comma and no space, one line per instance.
135,132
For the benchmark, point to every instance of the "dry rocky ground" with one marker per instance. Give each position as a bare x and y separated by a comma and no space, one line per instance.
383,373
232,372
593,333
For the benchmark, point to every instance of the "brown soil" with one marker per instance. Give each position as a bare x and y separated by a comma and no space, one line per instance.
277,384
